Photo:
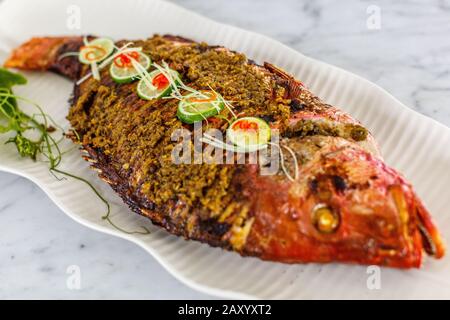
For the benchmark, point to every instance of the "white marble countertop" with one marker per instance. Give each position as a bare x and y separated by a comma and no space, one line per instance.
409,55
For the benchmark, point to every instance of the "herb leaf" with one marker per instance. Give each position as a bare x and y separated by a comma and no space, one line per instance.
25,146
9,79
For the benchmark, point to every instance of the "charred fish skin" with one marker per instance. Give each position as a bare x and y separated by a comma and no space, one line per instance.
347,205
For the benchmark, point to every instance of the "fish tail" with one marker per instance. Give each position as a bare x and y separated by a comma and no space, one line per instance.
42,54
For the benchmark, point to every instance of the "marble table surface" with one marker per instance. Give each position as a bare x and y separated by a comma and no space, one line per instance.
406,51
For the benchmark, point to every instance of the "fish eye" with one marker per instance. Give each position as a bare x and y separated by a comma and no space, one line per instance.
325,219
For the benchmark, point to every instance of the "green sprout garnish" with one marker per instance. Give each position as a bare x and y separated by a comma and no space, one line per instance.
14,121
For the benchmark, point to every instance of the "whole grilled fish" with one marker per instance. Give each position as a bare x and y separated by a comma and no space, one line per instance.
347,205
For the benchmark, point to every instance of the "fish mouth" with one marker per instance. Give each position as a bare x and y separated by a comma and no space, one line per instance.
428,243
427,234
432,242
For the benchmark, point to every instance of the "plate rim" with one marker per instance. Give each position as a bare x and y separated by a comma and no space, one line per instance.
214,291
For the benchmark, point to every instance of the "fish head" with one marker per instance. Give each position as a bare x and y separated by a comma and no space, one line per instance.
346,205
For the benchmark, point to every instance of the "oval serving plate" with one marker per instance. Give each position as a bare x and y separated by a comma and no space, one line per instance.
414,144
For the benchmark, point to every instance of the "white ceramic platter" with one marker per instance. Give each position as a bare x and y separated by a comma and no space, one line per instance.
417,146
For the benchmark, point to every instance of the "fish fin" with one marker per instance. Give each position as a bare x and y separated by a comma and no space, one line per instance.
278,71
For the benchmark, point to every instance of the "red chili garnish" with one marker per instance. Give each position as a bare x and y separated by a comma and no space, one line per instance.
133,54
212,96
245,125
160,81
123,60
92,54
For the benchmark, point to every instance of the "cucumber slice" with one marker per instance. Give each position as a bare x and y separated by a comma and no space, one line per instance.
146,93
96,50
128,73
249,132
191,109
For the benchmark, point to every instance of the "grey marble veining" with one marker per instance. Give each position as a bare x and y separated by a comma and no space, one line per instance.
409,56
